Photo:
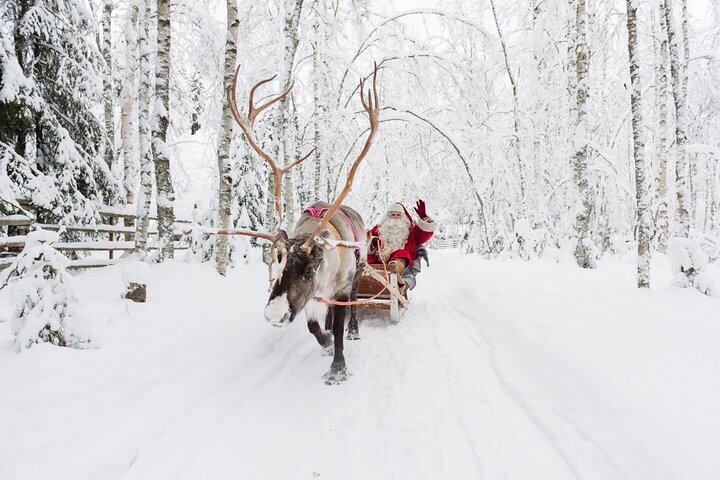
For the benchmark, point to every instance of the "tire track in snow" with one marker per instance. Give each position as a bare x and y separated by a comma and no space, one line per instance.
176,442
515,446
389,428
583,456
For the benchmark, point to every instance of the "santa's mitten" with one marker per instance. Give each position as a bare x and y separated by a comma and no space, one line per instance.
422,252
420,209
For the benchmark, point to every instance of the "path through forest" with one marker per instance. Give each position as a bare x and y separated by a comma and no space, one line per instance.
499,370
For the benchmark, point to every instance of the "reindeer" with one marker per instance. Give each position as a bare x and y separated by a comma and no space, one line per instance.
316,267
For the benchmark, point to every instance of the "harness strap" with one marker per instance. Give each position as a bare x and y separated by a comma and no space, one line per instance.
337,236
320,212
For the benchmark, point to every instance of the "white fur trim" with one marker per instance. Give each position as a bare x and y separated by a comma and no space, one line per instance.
395,207
427,225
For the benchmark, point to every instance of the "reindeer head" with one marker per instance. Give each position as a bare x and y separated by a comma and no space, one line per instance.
294,278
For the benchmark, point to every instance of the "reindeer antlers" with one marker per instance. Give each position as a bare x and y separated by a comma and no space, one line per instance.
370,104
372,107
247,124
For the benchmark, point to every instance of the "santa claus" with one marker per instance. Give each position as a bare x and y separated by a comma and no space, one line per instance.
400,237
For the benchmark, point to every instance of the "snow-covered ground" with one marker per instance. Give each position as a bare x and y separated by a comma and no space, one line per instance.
500,370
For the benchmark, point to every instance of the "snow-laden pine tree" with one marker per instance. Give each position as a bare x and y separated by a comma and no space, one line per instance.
52,85
222,250
160,121
43,292
643,215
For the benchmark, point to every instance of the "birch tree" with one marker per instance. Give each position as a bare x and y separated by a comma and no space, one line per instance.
681,161
284,137
144,196
661,142
516,115
222,251
108,90
641,190
128,99
320,101
160,120
583,254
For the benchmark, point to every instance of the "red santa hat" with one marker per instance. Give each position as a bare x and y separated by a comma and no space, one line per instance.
398,208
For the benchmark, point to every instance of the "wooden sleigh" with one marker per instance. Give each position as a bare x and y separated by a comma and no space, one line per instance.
380,288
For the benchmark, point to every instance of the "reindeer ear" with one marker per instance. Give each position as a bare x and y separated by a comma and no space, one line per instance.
284,235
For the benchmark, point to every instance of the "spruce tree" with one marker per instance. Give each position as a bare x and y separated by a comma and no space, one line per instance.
53,149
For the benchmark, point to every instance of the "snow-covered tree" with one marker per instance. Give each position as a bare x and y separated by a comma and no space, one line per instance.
661,130
165,197
689,266
583,250
144,196
43,292
51,86
644,223
128,101
681,160
222,251
108,83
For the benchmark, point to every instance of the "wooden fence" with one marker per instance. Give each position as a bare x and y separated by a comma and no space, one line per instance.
445,243
117,235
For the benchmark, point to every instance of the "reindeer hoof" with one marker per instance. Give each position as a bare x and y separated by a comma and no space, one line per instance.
336,375
353,336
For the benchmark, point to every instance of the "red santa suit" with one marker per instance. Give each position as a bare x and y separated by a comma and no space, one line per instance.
418,234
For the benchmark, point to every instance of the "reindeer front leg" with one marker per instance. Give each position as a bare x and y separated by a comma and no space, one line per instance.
314,311
338,370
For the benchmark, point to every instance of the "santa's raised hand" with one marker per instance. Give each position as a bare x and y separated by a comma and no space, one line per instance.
420,209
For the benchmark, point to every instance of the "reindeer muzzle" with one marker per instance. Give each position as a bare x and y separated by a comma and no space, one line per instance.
278,312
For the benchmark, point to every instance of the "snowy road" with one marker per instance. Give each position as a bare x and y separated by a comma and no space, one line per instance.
498,379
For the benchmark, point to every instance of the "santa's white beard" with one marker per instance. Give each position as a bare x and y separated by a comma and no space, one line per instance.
394,233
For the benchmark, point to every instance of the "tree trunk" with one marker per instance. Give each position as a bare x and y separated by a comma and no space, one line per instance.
129,92
284,135
693,181
161,150
144,145
108,90
661,145
319,97
681,162
222,247
582,219
643,217
516,115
